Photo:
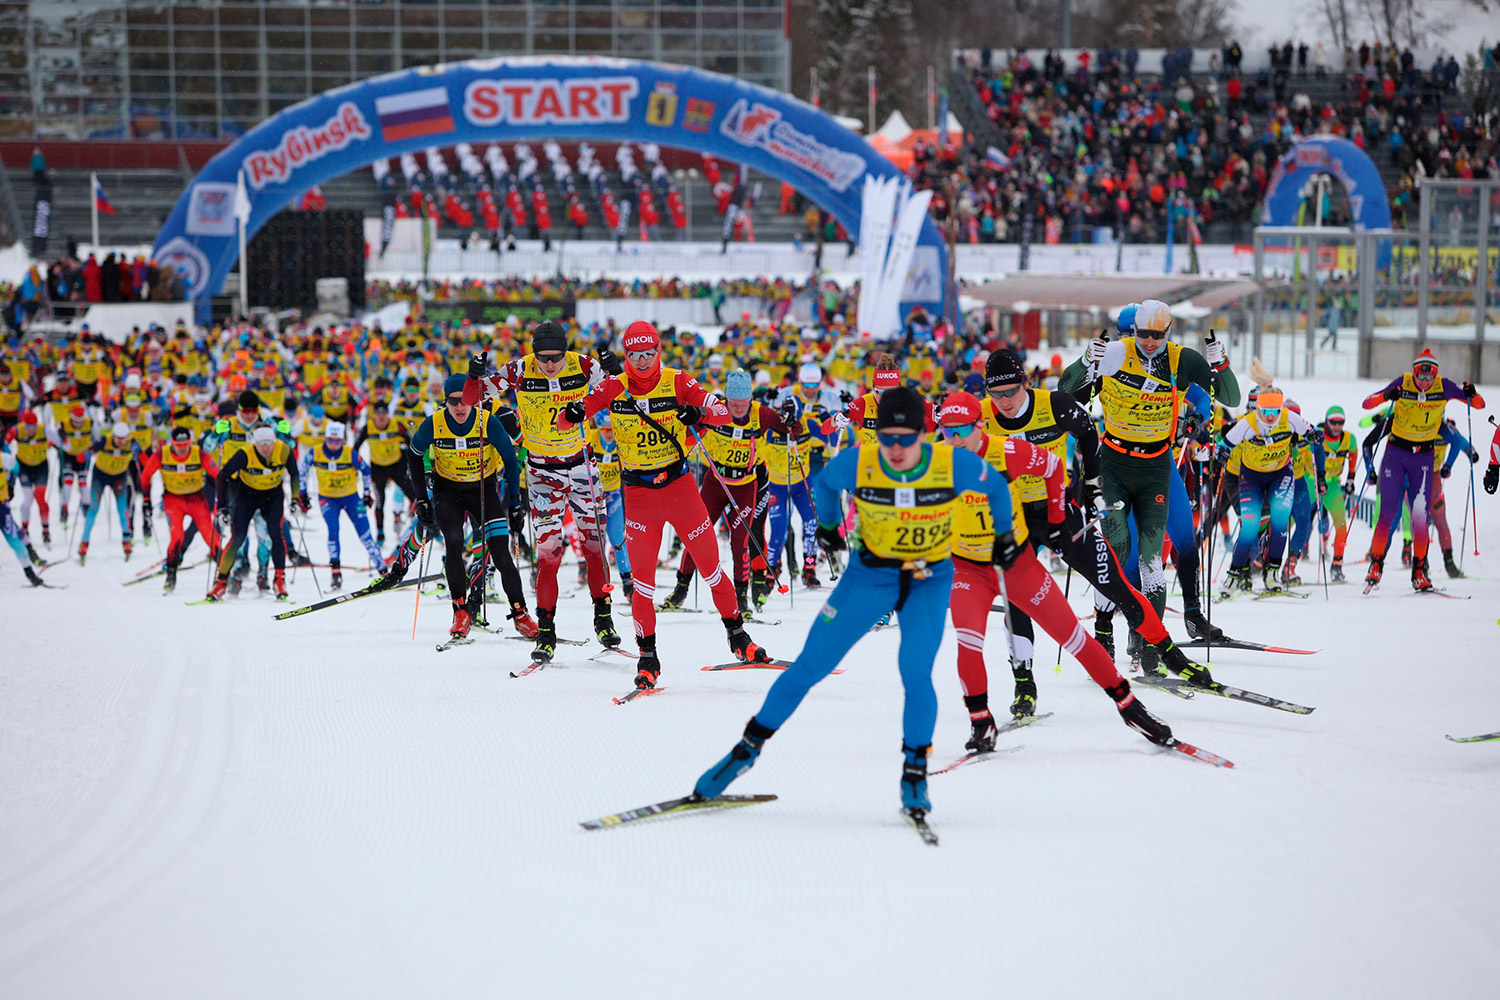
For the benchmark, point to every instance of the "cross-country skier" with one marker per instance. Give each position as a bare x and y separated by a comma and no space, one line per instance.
559,476
14,536
388,440
652,408
343,487
186,472
256,475
33,438
1417,398
116,467
1340,456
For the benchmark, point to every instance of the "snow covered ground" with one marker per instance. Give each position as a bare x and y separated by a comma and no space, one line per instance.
199,801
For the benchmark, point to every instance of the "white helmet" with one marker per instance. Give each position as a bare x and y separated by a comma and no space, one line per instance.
335,430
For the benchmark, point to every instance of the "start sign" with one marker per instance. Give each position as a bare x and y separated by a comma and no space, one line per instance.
588,101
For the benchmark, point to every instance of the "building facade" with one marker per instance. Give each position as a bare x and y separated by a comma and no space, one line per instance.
180,70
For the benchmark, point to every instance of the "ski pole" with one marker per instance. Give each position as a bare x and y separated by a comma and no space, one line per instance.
1093,522
1472,496
418,590
1322,569
302,535
1067,590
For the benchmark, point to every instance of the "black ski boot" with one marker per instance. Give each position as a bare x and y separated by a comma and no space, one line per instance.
1176,661
1199,628
1147,657
679,593
1025,704
648,667
31,554
1454,573
742,599
34,578
262,581
981,722
1336,570
627,585
810,579
740,643
171,583
46,536
1104,631
760,588
546,636
1136,717
1239,580
335,576
604,623
1406,553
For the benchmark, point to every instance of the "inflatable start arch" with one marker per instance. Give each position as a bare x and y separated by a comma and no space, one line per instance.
1353,168
513,99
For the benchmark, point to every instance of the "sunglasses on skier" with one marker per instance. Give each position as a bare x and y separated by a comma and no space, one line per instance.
1336,424
550,359
1270,412
456,400
1151,335
1427,371
959,430
641,355
905,440
1007,393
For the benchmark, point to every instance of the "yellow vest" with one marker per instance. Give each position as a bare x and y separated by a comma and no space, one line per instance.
1269,451
141,431
19,366
77,440
182,476
385,445
311,433
642,447
1417,416
261,474
113,458
731,447
273,396
10,398
460,459
1335,455
785,470
4,488
865,431
1137,407
409,416
335,400
31,444
1042,430
973,528
336,474
1303,461
540,399
911,520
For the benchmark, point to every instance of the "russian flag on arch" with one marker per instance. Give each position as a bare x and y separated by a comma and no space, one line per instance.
101,200
413,115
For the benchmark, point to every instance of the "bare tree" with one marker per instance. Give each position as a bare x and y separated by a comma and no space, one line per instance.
1338,18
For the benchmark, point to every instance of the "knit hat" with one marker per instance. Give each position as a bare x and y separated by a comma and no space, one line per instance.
29,418
901,407
249,400
181,432
641,336
262,435
1333,411
959,410
974,382
454,384
549,336
886,378
1425,358
737,385
335,430
120,430
1003,369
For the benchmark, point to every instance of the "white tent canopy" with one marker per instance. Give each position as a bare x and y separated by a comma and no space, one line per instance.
895,128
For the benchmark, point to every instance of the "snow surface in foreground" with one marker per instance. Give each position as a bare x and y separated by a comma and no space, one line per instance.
202,802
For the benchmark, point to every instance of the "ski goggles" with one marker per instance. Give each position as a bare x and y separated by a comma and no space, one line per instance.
958,430
1425,370
905,440
1152,334
1269,412
1335,423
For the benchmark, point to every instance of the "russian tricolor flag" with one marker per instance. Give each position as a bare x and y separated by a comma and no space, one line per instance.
411,116
101,200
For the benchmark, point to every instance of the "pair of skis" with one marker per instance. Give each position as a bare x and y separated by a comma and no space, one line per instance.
355,595
1182,689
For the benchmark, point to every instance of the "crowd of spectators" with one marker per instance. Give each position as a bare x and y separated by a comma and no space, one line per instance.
65,286
1102,146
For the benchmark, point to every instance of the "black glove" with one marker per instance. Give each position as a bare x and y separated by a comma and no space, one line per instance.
689,415
1006,550
1492,478
367,498
1473,457
146,508
1204,436
517,521
424,513
575,412
1348,488
1392,393
226,520
1469,391
305,502
788,410
1058,537
1446,471
610,362
844,397
832,541
1092,493
1371,477
479,365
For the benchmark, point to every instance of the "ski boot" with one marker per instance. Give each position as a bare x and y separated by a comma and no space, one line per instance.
884,621
604,623
627,585
1176,661
1336,570
546,636
237,582
335,576
1104,631
1025,704
648,667
217,591
461,621
1054,562
1289,577
1419,579
298,558
34,578
1133,644
810,579
1136,717
1270,575
1454,573
395,572
46,536
914,780
740,644
1149,658
126,548
525,624
1199,628
380,538
278,583
1406,553
981,723
31,554
679,593
83,552
1239,580
262,581
740,759
760,588
742,599
171,581
1377,566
